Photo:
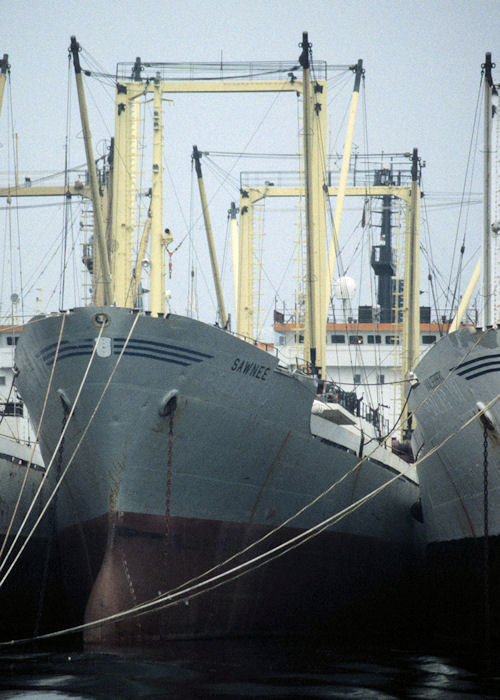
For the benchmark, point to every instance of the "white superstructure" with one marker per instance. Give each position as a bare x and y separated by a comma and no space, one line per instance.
361,357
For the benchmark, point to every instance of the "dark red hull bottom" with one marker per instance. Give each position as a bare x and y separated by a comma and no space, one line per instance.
334,582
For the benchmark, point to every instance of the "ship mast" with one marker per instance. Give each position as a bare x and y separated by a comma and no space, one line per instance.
344,171
411,321
87,137
157,275
315,218
233,211
4,67
488,292
221,309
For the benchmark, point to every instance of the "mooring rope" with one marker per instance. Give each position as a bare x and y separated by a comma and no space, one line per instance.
51,536
356,466
61,478
16,507
311,532
47,471
187,591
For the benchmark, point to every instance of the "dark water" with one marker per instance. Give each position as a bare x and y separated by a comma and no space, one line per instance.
249,669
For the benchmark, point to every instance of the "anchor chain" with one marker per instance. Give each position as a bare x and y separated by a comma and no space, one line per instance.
127,575
169,485
168,496
130,582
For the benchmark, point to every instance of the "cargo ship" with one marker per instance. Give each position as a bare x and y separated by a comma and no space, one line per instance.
206,489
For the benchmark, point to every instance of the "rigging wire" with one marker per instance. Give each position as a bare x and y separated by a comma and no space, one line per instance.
423,250
186,592
397,477
473,147
68,261
59,442
227,244
268,68
228,176
332,486
369,223
11,248
356,360
49,255
62,274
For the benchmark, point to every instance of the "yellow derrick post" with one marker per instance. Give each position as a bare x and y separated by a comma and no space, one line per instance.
411,291
465,299
344,171
244,321
157,293
235,252
314,125
221,309
105,277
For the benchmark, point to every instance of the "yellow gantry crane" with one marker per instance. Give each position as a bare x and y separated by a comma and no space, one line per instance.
117,274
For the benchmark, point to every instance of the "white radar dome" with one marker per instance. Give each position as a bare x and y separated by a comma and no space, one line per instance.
344,288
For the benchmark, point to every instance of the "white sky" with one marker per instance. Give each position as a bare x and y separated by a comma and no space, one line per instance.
422,62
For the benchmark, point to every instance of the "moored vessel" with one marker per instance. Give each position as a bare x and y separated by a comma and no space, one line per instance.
193,464
23,588
456,437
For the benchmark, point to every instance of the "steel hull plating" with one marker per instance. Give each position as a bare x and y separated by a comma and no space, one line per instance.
24,607
458,377
199,445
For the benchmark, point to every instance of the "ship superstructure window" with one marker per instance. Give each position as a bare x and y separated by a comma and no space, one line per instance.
357,379
392,339
381,379
12,340
338,338
299,338
428,339
2,381
355,340
11,408
374,339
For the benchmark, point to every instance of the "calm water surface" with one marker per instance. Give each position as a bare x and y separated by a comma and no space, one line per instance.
248,669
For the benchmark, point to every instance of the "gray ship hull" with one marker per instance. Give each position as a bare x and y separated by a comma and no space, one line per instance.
28,588
457,378
199,445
